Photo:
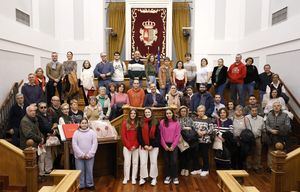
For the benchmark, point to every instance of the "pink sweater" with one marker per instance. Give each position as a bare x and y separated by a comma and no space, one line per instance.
84,142
119,98
170,134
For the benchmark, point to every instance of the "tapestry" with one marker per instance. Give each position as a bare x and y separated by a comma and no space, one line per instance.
148,31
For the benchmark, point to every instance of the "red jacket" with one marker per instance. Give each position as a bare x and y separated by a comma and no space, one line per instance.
237,73
129,136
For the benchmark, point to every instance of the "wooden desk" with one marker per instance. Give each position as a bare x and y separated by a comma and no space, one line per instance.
105,157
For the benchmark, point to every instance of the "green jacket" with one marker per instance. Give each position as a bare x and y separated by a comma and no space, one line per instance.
29,129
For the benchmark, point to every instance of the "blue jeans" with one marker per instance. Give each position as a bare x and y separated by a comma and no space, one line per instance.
248,89
191,83
261,95
237,90
164,91
220,91
152,79
86,175
105,83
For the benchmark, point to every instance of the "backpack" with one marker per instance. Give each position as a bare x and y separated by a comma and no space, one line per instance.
247,135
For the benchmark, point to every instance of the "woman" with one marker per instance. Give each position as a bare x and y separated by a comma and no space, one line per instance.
203,74
150,70
173,98
93,111
219,78
186,123
118,100
179,76
149,140
165,76
65,117
204,127
40,80
251,78
70,84
112,90
87,80
104,102
170,134
276,84
131,145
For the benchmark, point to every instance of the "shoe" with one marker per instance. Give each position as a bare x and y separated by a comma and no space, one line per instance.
153,182
186,173
176,181
133,181
196,172
92,188
204,173
182,172
142,181
125,181
167,180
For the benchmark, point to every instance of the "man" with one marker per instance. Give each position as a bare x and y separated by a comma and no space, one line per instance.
54,72
278,125
203,97
256,124
265,79
217,106
191,69
187,96
136,68
154,99
119,69
253,103
136,94
236,74
103,72
30,128
53,110
16,113
46,128
75,114
32,93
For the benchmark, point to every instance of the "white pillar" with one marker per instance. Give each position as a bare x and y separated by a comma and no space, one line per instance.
265,14
64,20
35,14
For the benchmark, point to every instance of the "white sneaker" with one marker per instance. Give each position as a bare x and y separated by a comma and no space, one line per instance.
186,173
133,181
182,172
153,182
176,181
204,173
167,180
142,181
196,172
124,181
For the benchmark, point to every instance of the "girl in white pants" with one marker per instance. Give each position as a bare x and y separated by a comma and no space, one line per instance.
149,139
131,144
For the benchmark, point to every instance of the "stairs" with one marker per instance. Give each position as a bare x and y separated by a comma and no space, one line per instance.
5,187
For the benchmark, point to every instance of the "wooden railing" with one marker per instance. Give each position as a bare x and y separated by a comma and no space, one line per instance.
19,166
228,183
63,180
285,170
8,102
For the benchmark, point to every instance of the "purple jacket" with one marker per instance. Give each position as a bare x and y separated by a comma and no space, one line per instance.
32,94
103,68
84,142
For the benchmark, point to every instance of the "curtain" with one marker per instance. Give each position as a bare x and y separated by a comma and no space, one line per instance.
116,20
181,18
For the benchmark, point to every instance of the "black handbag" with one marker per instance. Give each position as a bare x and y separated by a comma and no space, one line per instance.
189,135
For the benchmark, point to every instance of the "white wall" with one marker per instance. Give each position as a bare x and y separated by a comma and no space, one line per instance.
8,8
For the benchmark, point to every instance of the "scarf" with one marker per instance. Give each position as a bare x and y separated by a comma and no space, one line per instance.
145,131
41,82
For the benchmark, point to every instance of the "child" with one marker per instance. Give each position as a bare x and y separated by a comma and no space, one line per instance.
131,145
170,134
85,145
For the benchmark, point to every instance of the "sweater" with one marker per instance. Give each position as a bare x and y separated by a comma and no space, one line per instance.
54,70
136,69
251,74
103,68
170,134
136,97
204,125
32,94
255,124
278,122
150,70
105,104
239,124
237,73
152,142
129,136
29,129
84,142
119,99
87,78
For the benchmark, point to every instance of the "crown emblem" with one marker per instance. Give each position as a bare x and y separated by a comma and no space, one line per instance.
148,24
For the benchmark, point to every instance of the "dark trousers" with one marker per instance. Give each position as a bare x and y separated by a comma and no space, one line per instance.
184,159
236,90
203,148
195,156
170,158
236,159
51,90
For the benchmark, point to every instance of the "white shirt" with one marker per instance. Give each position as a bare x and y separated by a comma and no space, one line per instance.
179,73
87,78
120,70
203,74
191,70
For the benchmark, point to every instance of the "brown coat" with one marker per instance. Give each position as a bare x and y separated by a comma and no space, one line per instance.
162,75
54,73
29,130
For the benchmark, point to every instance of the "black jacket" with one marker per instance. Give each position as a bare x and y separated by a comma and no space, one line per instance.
264,81
252,74
222,77
45,124
16,114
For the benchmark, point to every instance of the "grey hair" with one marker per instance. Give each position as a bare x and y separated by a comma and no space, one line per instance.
277,102
19,95
42,103
201,107
102,88
30,106
239,107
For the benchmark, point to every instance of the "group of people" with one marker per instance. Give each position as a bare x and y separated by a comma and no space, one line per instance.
193,123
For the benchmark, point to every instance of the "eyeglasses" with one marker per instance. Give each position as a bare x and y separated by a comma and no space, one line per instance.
43,107
65,108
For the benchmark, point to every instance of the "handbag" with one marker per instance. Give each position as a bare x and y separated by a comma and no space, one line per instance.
189,135
52,141
183,145
104,130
